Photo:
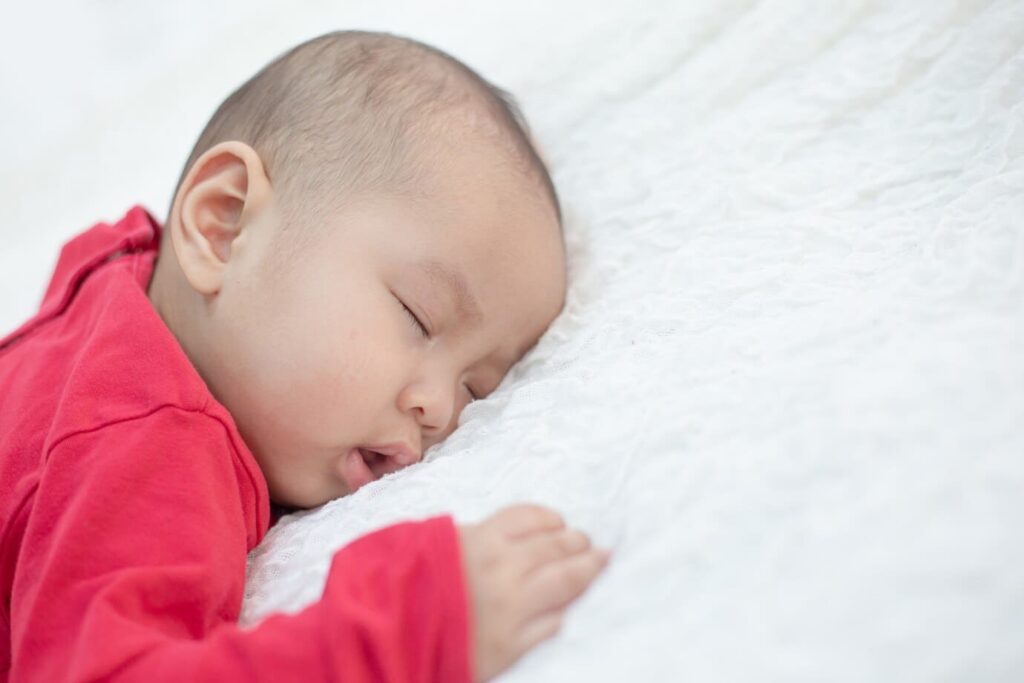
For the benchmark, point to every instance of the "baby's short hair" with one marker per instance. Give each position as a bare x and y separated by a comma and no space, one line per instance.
339,114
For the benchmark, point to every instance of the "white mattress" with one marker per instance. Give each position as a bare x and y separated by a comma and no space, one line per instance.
788,385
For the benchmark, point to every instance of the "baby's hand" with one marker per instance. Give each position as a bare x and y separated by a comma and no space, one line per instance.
524,568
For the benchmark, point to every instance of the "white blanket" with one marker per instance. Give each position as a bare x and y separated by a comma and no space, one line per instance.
788,386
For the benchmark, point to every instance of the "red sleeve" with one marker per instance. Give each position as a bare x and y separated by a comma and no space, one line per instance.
133,563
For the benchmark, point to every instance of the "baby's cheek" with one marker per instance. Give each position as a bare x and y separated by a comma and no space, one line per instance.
330,393
324,386
341,376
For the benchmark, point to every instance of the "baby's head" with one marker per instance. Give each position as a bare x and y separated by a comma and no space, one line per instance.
362,241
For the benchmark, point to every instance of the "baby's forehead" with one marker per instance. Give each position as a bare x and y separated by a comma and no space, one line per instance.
470,221
484,173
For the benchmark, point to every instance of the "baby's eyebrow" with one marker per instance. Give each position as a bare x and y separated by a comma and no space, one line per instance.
466,304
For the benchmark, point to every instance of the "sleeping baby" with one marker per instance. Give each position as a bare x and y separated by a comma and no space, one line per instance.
363,241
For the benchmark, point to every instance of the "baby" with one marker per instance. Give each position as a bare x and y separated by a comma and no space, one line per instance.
363,241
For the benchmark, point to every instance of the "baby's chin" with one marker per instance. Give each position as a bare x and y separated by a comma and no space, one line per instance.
295,498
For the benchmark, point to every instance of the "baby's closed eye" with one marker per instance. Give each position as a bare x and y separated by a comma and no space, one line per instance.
414,319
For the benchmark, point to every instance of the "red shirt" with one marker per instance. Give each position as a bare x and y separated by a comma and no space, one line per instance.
129,502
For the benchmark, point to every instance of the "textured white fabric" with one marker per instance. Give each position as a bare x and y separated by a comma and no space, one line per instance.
788,386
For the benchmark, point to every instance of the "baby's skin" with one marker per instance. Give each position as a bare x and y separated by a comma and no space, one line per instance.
345,349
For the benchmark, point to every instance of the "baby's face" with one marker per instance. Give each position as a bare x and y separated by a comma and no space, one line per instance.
376,336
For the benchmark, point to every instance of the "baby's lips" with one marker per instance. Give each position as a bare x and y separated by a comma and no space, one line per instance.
355,471
401,452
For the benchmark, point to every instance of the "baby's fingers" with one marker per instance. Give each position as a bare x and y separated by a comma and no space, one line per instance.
524,519
559,583
540,549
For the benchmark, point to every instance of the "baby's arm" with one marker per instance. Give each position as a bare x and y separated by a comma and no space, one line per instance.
132,565
523,567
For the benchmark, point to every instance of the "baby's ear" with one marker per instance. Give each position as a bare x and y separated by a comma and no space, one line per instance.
216,199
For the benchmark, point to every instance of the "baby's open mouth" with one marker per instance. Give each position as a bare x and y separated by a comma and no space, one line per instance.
371,458
363,464
359,468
